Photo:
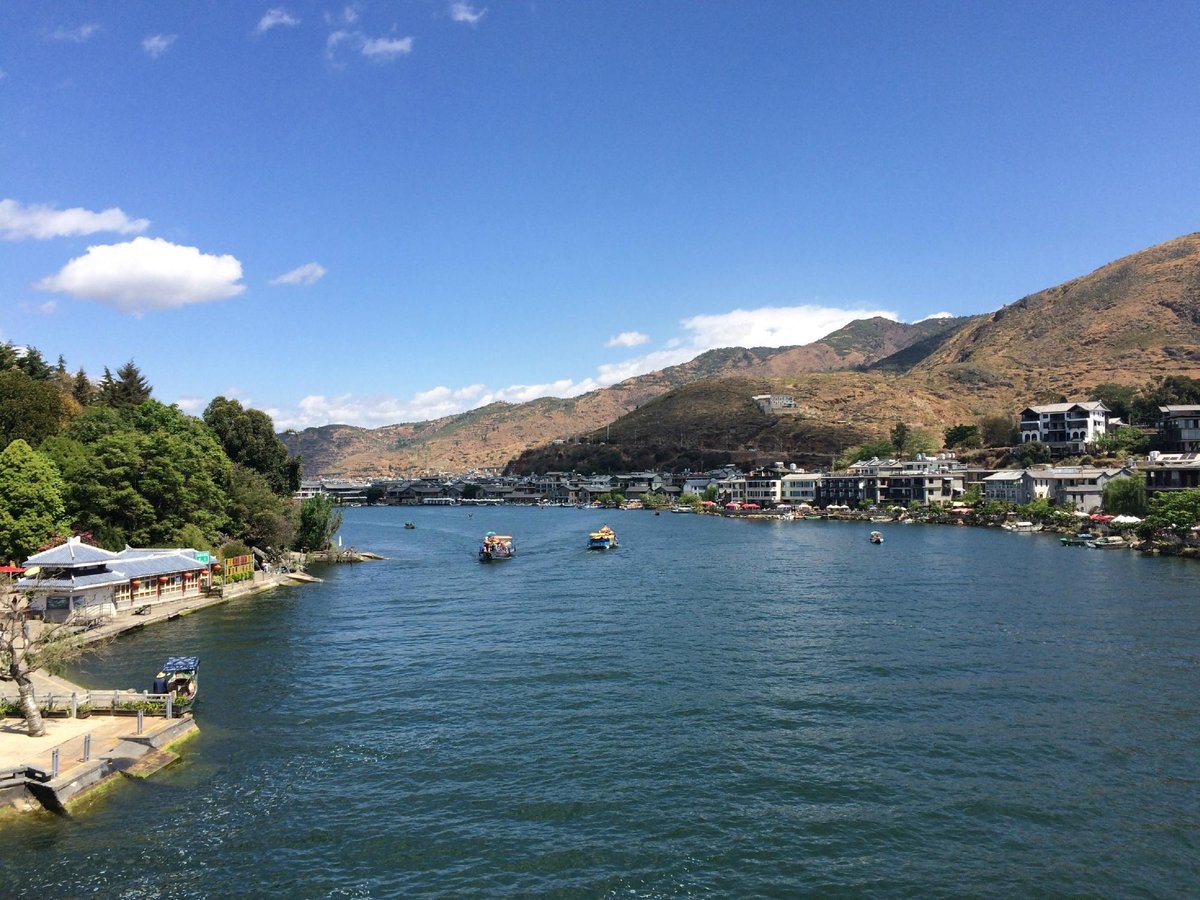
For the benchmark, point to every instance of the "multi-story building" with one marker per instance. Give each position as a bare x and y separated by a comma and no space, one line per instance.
1066,428
1179,428
1171,472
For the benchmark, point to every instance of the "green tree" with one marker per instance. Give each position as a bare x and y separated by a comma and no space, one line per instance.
319,522
900,437
963,436
1126,496
1171,512
1117,397
687,498
655,501
710,493
248,436
1030,453
1123,440
33,364
1168,390
138,475
82,389
880,449
31,501
30,408
128,388
998,431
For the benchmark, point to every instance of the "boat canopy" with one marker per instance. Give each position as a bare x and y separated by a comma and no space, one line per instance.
181,664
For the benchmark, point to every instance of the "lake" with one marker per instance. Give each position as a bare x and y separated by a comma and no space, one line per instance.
720,707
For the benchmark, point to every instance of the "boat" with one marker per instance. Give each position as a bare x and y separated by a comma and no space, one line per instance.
602,539
409,525
179,676
1108,542
1023,527
1076,540
876,537
496,547
679,510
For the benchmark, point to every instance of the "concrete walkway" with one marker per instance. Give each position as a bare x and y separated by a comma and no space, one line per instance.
17,748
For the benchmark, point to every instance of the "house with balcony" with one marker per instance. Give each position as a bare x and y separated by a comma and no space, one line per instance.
1066,428
1171,472
1179,429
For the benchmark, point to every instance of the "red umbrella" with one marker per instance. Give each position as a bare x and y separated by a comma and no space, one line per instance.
749,506
11,570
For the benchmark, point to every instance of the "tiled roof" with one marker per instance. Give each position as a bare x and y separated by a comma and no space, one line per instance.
73,553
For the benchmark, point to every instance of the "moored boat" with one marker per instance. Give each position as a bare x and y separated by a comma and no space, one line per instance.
496,547
1076,540
1022,527
179,676
1109,542
603,538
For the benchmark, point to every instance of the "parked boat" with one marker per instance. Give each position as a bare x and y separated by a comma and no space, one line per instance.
876,537
1021,526
496,547
602,539
682,509
409,525
179,676
1109,542
1076,540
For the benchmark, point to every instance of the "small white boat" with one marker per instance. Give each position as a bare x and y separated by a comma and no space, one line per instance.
1024,527
876,537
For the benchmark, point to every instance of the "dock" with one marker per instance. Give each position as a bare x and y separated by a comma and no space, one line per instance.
76,755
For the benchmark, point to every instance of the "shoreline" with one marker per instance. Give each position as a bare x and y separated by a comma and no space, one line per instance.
115,747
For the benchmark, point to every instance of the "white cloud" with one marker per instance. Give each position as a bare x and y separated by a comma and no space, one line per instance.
461,11
147,274
158,44
193,406
373,412
309,273
936,315
771,326
386,48
628,339
274,18
766,326
49,308
41,222
75,35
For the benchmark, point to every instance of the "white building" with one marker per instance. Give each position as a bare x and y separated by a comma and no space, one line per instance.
80,582
1066,428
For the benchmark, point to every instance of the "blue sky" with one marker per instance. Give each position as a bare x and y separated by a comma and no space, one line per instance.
385,212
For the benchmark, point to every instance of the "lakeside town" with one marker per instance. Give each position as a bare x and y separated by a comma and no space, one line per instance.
1060,491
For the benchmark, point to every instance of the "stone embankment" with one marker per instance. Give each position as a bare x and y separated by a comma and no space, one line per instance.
77,755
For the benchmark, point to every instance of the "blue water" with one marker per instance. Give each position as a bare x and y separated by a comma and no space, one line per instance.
718,708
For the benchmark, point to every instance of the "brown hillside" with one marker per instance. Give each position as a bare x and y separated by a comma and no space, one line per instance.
491,436
1125,322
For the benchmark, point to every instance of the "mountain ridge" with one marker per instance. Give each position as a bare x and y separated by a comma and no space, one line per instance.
1129,320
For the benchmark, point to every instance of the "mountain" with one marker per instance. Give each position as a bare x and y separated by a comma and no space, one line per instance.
1131,319
492,435
1128,321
